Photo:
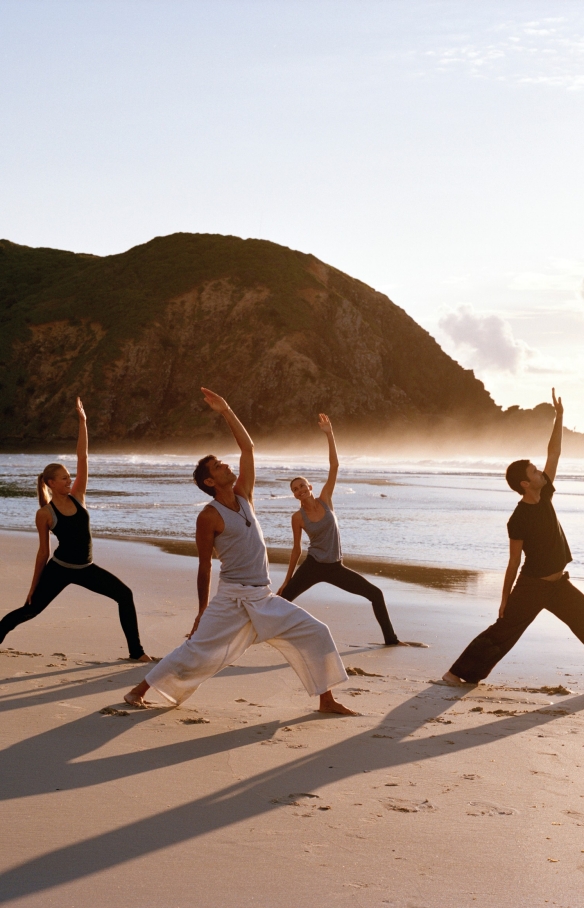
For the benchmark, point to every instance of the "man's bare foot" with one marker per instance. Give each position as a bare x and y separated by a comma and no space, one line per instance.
453,679
328,704
144,658
133,699
416,643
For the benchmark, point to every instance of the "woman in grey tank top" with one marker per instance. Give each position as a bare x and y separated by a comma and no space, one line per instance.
323,563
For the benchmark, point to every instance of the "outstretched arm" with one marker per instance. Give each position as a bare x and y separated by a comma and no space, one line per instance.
205,538
246,479
515,549
42,525
80,485
555,442
324,423
296,548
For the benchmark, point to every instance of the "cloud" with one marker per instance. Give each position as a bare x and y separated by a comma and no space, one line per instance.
487,340
546,52
560,284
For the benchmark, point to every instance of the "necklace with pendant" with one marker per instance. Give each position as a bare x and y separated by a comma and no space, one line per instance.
243,516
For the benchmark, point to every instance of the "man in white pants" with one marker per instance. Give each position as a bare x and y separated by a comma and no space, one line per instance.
245,610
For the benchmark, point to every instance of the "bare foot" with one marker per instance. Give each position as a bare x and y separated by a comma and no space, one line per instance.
135,697
415,643
453,679
144,658
135,700
328,704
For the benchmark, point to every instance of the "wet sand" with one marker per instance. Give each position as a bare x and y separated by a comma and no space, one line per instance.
432,798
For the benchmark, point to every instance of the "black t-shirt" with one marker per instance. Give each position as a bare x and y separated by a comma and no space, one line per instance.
545,546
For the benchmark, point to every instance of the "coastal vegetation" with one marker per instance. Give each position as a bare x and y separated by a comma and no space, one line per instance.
278,332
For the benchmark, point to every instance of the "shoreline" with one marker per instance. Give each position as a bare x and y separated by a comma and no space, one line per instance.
448,579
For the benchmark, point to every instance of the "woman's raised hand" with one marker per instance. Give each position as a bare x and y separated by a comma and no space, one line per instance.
324,423
215,402
80,410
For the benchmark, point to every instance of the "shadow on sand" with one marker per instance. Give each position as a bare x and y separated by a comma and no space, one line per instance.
50,759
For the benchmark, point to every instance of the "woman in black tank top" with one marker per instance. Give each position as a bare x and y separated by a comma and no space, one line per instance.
62,512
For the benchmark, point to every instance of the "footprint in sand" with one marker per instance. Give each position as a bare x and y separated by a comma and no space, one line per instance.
407,806
487,809
296,799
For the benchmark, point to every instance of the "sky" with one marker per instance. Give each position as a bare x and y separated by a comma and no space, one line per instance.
430,148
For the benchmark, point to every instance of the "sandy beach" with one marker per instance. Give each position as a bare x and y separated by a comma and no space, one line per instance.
433,797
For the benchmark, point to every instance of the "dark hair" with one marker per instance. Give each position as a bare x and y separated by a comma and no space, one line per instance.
201,473
303,478
516,474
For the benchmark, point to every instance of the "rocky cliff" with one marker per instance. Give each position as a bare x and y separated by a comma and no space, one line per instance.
280,334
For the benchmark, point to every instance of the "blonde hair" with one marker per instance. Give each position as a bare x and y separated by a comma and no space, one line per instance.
43,490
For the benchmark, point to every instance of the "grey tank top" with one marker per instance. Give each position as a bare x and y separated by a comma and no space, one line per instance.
241,548
325,541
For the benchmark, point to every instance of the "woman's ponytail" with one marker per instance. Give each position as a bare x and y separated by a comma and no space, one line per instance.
42,491
49,472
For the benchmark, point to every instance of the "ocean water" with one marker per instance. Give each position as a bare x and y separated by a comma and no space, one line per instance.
439,513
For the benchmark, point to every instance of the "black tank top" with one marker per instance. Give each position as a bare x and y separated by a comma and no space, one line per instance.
75,546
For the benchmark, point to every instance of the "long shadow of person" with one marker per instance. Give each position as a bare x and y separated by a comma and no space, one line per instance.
234,803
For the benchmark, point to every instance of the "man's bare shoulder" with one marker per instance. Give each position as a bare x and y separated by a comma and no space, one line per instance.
209,518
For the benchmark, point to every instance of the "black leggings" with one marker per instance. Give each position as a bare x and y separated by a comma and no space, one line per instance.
55,578
312,571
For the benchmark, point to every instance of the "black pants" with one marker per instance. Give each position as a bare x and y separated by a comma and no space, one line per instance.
312,571
528,597
55,578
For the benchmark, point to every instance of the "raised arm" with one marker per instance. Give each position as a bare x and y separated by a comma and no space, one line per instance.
328,488
555,442
246,479
296,548
80,485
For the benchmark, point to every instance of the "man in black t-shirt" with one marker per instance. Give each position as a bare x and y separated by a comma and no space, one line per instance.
534,529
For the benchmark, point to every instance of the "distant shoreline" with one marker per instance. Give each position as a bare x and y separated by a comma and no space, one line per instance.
429,576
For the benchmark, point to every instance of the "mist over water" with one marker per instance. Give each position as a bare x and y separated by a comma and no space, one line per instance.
449,513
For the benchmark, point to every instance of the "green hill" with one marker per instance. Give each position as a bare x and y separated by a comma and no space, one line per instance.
277,332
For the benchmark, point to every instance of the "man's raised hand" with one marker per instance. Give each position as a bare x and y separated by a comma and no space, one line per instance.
324,423
215,402
80,410
557,402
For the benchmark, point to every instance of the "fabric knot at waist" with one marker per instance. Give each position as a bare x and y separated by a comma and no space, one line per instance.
242,594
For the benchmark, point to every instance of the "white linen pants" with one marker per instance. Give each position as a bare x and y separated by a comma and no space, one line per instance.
237,617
